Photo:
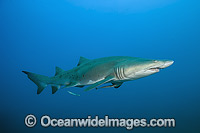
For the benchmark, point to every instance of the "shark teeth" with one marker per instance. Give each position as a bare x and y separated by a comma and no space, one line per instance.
155,69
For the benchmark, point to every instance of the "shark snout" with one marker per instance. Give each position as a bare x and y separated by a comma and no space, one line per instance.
167,63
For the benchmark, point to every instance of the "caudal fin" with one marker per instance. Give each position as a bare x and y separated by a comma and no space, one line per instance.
40,80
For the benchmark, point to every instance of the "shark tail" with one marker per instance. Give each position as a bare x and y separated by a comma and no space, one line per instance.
40,80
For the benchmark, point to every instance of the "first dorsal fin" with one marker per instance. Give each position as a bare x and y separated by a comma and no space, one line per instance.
59,71
82,60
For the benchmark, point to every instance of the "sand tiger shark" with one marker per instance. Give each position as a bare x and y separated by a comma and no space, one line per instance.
115,70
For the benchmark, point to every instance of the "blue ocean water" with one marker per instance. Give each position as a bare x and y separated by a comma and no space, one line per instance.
37,35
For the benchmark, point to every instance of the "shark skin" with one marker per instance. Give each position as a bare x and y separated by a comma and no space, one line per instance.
115,70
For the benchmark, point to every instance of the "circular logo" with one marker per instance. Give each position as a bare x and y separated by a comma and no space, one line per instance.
30,120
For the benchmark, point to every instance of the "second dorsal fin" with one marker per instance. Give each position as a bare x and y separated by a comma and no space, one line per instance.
59,71
82,60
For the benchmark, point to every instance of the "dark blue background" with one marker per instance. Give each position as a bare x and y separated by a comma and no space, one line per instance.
37,35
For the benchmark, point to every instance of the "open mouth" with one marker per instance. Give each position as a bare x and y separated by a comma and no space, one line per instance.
155,69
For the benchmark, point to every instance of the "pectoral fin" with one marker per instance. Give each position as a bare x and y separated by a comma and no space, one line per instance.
107,79
80,86
115,85
108,86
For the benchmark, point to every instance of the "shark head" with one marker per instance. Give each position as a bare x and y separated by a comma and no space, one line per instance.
139,67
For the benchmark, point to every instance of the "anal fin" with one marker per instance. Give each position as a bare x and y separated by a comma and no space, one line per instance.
55,88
